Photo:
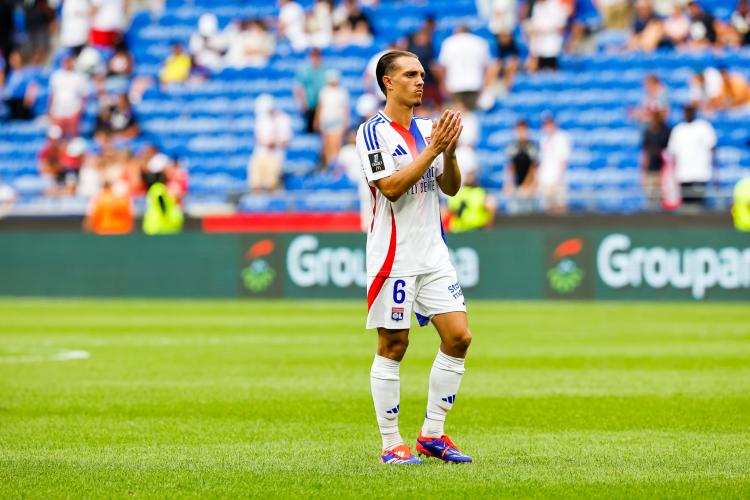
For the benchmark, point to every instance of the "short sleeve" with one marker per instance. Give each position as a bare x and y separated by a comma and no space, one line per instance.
374,156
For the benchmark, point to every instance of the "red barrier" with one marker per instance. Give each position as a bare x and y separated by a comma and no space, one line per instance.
278,223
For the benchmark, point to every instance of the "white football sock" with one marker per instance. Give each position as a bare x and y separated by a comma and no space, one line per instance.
445,378
385,383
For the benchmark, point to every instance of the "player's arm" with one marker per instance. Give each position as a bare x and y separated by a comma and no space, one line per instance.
450,180
443,134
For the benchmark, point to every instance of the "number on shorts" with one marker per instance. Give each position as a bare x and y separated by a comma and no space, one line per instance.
399,295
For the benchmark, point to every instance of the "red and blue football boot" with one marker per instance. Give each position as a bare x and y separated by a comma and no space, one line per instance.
400,454
442,448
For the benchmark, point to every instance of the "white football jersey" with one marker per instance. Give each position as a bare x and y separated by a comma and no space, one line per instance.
406,237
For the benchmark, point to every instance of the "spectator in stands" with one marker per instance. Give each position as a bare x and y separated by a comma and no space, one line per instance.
120,122
655,100
502,16
108,22
120,65
545,31
691,146
273,131
21,89
208,45
70,161
75,25
163,214
520,171
291,24
177,66
616,14
109,212
471,208
554,156
39,17
360,36
703,27
68,91
647,30
705,86
734,91
309,81
91,175
509,59
654,144
251,45
502,19
320,24
467,66
349,17
676,27
332,119
48,158
740,23
177,180
90,62
136,169
420,43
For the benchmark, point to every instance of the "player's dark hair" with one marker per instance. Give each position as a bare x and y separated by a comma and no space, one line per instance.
386,65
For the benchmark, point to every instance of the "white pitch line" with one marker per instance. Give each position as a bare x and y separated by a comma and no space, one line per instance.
62,355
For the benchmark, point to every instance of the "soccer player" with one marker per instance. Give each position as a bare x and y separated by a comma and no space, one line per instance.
406,159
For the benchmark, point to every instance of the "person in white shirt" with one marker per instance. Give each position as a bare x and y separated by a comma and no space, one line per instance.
467,65
554,155
332,118
108,23
208,45
545,30
67,95
407,161
273,131
503,16
75,24
292,24
691,147
704,87
320,24
251,45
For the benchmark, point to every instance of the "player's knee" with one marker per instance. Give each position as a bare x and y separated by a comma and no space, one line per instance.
462,341
393,347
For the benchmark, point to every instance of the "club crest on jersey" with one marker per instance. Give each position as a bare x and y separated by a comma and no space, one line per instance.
427,139
376,162
397,313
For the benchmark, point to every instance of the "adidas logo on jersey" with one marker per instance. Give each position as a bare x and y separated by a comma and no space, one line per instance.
450,399
400,151
393,411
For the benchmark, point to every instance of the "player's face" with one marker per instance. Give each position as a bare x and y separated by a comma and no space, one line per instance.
407,81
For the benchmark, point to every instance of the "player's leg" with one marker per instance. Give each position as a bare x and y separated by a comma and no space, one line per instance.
385,383
447,370
441,299
389,313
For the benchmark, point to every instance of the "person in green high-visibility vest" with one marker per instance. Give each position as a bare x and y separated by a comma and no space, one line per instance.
472,208
741,206
163,213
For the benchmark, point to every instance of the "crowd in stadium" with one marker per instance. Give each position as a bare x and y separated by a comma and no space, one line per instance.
57,57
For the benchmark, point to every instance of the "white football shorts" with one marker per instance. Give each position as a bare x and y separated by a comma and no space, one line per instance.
427,295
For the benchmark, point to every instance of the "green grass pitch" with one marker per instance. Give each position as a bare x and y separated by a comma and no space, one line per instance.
233,399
